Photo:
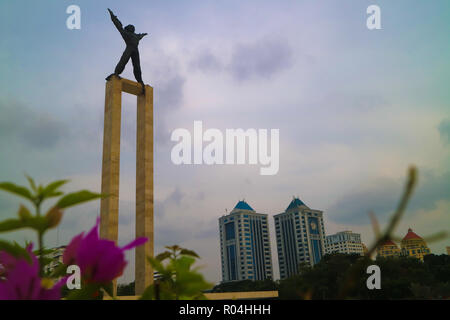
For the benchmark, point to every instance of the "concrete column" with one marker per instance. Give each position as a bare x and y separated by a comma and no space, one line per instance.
109,206
144,189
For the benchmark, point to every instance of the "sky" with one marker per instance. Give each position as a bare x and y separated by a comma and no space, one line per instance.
354,108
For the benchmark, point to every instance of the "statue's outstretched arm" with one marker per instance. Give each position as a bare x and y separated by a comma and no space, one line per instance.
116,21
141,35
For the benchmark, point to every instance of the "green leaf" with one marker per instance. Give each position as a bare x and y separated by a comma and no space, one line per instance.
14,249
36,223
162,256
53,216
148,293
32,184
45,261
17,190
59,271
156,264
51,190
75,198
108,288
188,252
173,248
91,291
45,251
24,213
12,224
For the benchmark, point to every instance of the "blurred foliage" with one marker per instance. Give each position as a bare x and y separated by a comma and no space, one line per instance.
38,221
176,279
401,278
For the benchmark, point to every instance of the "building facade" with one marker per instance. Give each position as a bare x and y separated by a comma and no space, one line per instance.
344,242
414,246
245,245
300,236
56,257
388,249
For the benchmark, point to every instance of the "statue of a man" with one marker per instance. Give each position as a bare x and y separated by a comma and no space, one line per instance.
131,51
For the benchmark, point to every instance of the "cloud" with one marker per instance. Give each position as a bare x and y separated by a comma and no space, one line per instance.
444,130
435,187
175,197
350,103
177,233
206,62
35,129
168,94
262,59
43,132
173,226
382,196
353,208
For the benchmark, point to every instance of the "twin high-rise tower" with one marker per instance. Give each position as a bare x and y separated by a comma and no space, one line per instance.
245,244
300,237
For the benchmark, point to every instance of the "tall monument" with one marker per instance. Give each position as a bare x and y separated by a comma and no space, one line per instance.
109,206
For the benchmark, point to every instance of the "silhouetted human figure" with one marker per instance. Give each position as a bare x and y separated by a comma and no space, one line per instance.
131,51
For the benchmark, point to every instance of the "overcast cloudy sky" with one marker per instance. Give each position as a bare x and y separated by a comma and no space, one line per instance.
354,108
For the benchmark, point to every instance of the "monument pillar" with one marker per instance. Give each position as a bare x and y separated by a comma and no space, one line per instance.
109,206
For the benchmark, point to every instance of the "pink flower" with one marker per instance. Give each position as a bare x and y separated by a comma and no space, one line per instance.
22,281
100,260
8,261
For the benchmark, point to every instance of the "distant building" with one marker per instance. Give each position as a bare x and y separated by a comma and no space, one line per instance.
388,249
414,246
300,237
448,250
56,256
245,245
344,242
366,251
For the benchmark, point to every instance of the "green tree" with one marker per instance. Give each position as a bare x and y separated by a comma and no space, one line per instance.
246,285
126,289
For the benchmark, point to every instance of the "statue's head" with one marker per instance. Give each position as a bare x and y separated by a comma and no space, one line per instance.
129,28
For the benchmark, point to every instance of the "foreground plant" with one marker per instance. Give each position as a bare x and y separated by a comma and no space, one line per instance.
100,261
22,274
39,222
177,279
21,280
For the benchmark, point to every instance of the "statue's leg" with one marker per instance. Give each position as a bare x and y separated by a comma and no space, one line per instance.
137,68
123,61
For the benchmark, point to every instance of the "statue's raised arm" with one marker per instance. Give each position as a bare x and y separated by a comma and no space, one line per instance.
116,21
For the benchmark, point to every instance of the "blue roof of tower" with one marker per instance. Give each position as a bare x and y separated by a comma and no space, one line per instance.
243,206
295,203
